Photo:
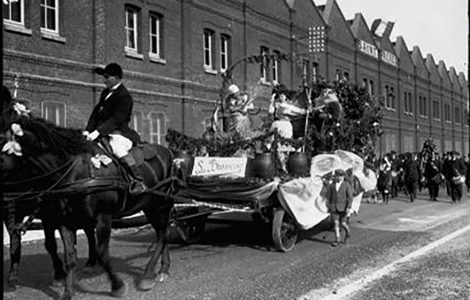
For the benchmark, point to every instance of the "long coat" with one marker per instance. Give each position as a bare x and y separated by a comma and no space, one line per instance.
113,114
339,201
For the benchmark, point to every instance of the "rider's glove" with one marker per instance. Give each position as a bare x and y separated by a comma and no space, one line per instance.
92,136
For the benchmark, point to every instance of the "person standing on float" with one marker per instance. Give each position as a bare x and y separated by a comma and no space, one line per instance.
111,118
238,106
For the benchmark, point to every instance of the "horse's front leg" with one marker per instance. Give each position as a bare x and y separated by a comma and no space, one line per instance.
103,234
51,247
68,239
159,219
92,255
15,256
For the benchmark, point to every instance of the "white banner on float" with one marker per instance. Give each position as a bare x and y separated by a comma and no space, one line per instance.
219,166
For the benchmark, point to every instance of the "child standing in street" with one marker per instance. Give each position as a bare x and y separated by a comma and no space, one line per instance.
340,195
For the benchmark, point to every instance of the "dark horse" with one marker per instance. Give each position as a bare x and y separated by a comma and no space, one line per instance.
73,194
21,207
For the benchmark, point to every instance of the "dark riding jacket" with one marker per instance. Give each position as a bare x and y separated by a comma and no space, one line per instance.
113,114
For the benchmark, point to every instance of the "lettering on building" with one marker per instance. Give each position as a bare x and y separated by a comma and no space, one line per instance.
389,58
368,49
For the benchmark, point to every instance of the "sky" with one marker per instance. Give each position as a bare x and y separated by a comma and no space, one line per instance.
438,27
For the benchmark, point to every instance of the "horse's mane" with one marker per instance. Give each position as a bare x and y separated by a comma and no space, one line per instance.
55,139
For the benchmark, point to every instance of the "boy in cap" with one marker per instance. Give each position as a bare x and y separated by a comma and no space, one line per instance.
340,195
111,117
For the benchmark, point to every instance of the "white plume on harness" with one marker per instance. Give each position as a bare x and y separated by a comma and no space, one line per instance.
12,146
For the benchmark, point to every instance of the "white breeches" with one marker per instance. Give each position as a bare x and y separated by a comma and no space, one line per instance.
120,144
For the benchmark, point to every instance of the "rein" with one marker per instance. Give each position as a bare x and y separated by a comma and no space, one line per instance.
37,194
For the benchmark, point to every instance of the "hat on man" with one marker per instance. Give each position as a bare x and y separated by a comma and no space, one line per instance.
233,89
340,172
112,69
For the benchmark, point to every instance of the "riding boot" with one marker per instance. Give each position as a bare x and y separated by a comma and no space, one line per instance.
137,185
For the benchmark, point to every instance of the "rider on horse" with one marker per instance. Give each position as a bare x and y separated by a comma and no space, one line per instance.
111,118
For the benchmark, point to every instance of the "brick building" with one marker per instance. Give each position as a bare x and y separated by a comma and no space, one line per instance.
173,53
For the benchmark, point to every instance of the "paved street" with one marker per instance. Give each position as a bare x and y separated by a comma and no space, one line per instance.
237,261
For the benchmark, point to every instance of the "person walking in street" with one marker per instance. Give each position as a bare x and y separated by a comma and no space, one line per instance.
384,182
340,195
111,118
454,174
412,175
446,160
433,175
395,173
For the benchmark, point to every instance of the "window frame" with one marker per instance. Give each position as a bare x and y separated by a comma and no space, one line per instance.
156,53
225,57
160,132
208,44
56,105
21,13
134,12
457,115
436,112
447,113
423,110
275,68
264,53
44,7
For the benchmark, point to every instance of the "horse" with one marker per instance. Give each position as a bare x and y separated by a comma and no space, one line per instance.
17,208
73,192
20,208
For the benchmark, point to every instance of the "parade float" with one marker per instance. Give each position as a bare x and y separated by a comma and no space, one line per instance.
225,171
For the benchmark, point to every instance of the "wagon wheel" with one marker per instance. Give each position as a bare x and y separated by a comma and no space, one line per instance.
284,231
191,231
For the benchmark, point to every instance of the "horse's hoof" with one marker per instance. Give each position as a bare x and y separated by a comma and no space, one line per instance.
146,284
162,277
119,292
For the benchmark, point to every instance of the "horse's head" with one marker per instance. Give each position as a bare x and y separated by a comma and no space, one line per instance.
33,146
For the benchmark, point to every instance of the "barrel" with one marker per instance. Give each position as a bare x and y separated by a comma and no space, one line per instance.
297,164
263,166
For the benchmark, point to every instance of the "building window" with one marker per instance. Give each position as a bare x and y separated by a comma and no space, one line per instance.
131,28
371,87
408,103
457,117
275,67
224,52
422,106
156,35
157,128
436,110
447,113
14,12
54,112
208,43
137,121
389,97
50,15
264,52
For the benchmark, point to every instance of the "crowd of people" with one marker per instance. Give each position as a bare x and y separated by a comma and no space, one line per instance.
412,172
